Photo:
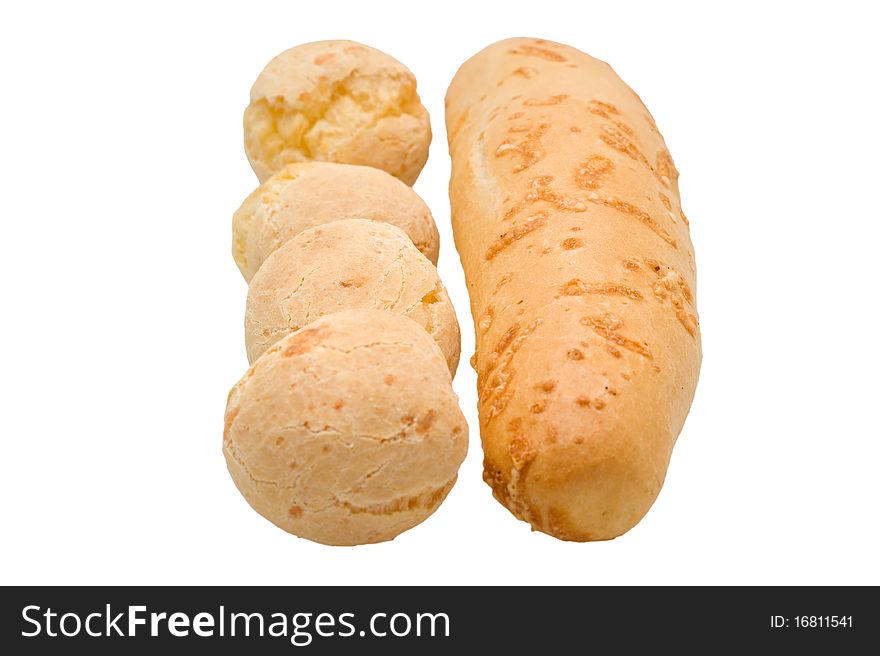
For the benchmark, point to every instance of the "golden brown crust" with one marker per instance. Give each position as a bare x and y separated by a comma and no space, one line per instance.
347,264
567,218
347,431
305,195
336,101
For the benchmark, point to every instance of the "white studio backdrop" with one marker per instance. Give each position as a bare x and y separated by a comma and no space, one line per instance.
122,163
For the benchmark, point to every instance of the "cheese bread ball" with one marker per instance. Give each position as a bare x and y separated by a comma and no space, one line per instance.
348,430
353,263
336,101
304,195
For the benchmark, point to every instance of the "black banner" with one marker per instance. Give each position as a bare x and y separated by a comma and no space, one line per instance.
406,620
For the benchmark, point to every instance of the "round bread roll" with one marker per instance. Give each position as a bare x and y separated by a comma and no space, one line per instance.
353,263
336,101
347,431
304,195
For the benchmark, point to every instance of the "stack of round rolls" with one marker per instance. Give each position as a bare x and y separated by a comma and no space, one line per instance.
579,264
345,429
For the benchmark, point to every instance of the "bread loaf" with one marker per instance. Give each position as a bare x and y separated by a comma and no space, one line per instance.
578,259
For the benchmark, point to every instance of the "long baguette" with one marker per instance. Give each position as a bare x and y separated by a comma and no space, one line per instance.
579,263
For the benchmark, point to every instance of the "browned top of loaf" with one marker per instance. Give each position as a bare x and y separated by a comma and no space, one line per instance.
551,145
580,266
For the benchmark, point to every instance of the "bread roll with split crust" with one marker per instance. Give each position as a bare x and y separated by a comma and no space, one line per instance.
579,263
347,431
336,101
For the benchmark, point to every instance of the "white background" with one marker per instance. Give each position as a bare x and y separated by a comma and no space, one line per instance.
122,163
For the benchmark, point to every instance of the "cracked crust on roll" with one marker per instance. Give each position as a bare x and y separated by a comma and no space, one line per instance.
336,101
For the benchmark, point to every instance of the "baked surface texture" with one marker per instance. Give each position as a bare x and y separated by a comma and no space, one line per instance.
580,269
343,265
305,195
348,430
336,101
